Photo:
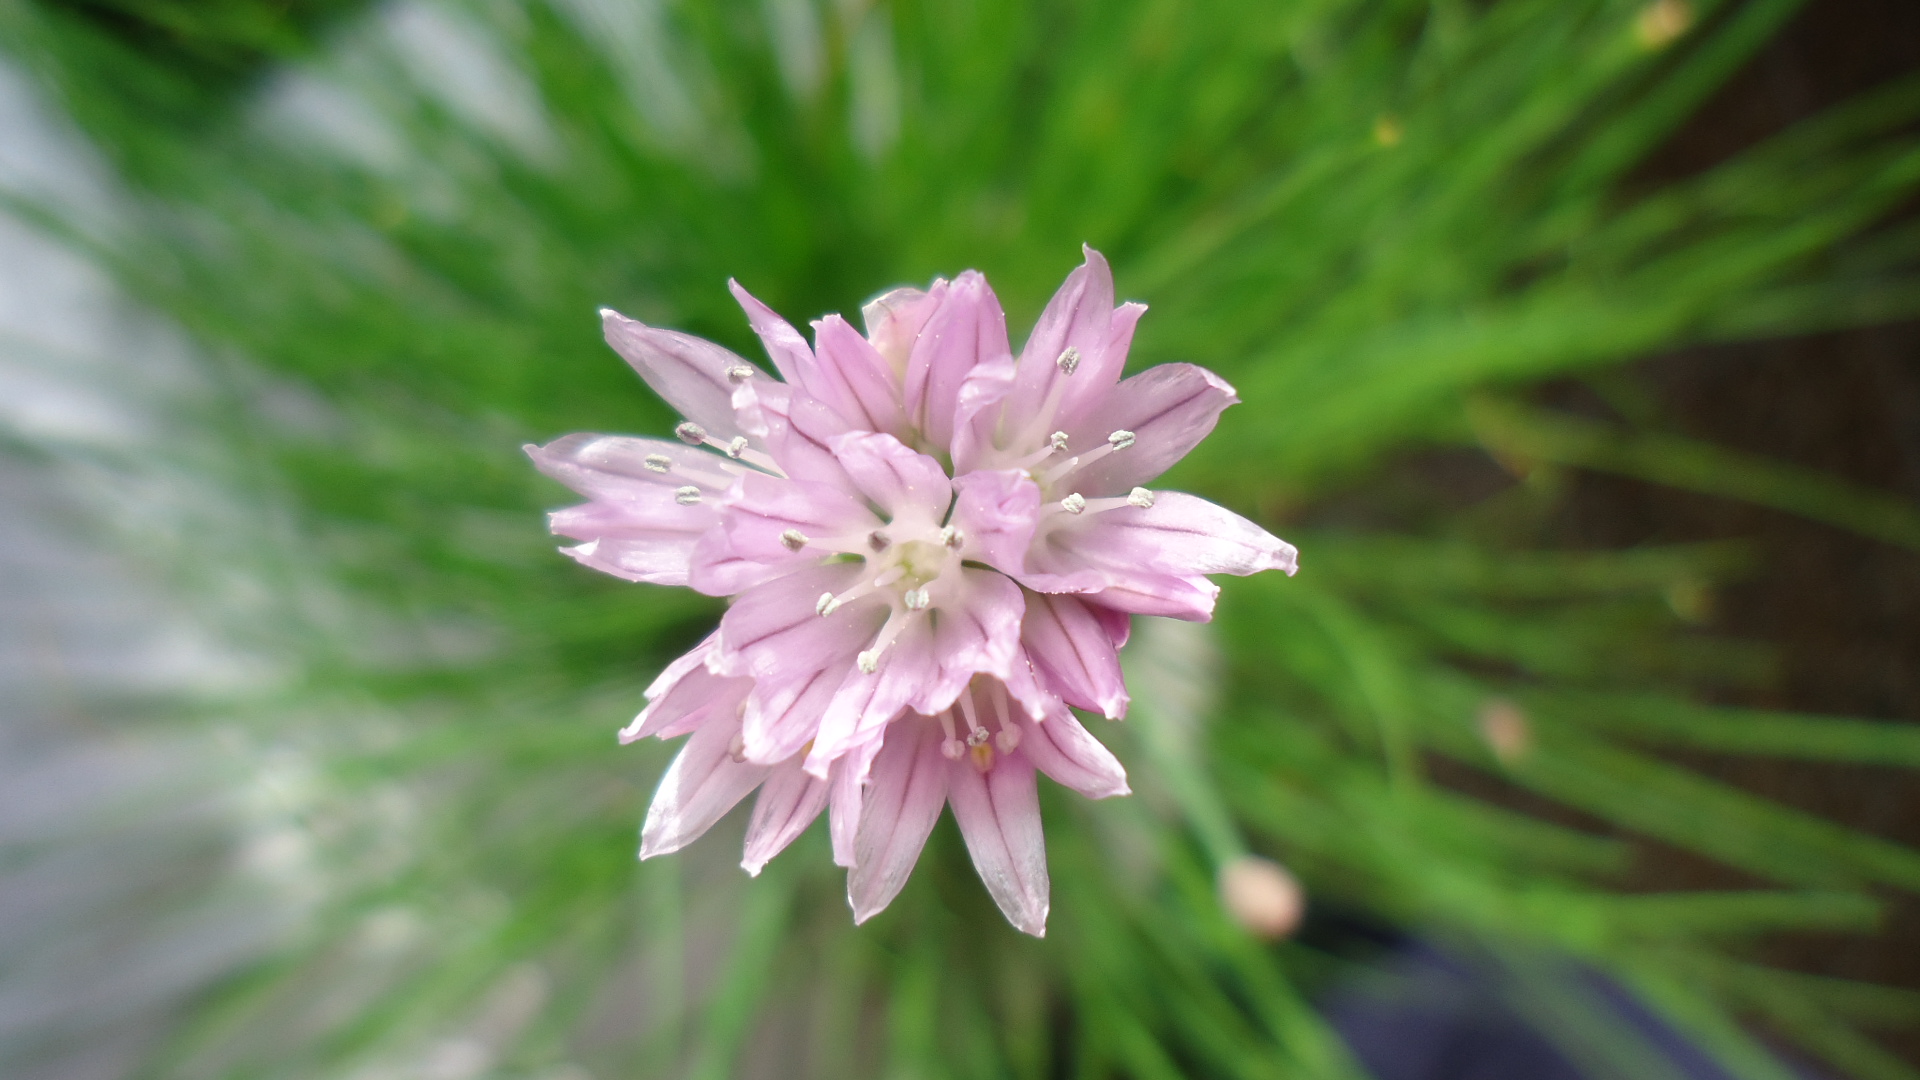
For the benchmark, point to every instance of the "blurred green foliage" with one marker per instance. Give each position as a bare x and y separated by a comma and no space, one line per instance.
1382,221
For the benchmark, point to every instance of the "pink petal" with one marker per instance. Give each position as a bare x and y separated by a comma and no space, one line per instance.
1169,409
690,374
797,429
1118,623
1150,592
898,813
977,411
968,328
716,569
865,702
1180,534
900,481
760,509
702,784
664,684
784,345
1075,653
847,784
999,816
977,633
781,719
859,375
652,546
773,632
613,467
758,518
1079,315
788,803
996,513
699,699
1063,749
894,320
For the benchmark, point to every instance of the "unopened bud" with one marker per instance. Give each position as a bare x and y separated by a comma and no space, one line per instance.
1506,730
1262,897
1660,22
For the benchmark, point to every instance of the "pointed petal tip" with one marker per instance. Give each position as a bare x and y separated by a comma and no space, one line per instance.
753,866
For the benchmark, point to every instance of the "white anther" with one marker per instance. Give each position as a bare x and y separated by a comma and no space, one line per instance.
1058,440
737,447
825,605
869,661
657,462
686,496
1074,503
737,749
877,540
977,737
690,433
1121,439
916,599
953,749
793,539
951,536
739,373
1141,498
1069,360
1008,738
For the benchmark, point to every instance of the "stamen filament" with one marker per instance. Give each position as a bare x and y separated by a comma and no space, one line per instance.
869,661
830,603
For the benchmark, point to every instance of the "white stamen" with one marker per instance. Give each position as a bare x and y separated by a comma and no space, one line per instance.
737,749
916,599
999,699
690,433
978,737
793,539
1074,503
953,749
951,536
877,540
973,721
1058,440
737,447
739,373
1069,360
869,661
687,496
1121,439
830,603
657,462
1141,498
1007,739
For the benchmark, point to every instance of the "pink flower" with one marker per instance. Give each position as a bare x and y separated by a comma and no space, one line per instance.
933,549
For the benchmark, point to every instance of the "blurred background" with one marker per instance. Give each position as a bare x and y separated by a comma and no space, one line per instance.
1578,348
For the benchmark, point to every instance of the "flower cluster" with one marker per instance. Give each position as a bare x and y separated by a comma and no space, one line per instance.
933,549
